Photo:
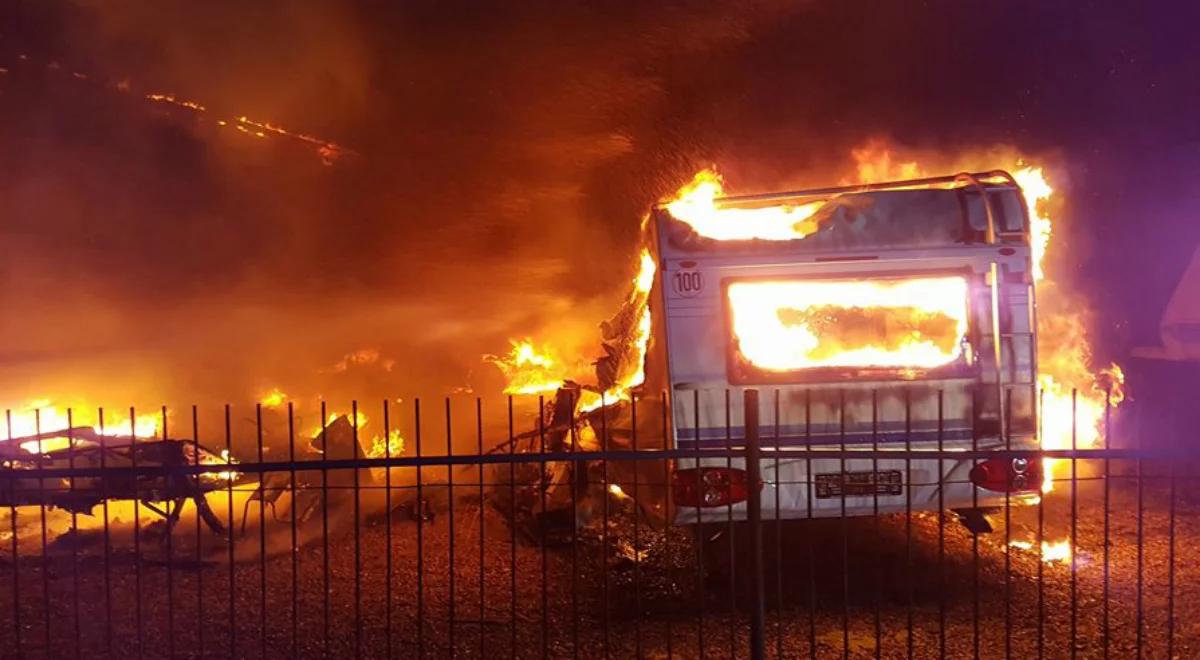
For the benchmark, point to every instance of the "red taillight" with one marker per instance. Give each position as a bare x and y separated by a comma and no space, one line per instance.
1008,475
710,486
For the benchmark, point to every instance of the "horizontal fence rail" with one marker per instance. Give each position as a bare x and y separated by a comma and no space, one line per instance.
435,532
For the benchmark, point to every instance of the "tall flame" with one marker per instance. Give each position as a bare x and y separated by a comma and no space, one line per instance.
1064,354
635,374
529,369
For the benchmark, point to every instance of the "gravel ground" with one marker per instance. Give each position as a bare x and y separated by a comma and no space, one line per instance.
892,573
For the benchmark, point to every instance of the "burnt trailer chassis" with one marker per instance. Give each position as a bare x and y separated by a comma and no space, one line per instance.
108,469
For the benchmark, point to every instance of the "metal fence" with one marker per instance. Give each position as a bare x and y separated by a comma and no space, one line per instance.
442,552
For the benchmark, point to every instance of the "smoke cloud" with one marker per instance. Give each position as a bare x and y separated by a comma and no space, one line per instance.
500,159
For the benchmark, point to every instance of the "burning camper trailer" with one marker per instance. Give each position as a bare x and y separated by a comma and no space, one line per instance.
892,314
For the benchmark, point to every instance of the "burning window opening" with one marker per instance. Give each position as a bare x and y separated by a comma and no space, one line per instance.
790,325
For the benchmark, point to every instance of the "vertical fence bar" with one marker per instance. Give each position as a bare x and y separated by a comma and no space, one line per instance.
876,532
754,513
75,534
1008,529
1140,559
482,572
16,551
778,537
168,529
844,523
419,510
295,547
263,485
198,556
512,514
667,442
1105,628
605,603
811,543
542,483
108,623
229,517
908,529
700,595
47,636
1041,534
733,622
450,530
1074,524
387,531
975,500
137,534
637,545
578,476
325,639
357,536
941,494
1171,561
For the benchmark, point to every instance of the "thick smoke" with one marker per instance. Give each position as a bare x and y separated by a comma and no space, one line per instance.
502,158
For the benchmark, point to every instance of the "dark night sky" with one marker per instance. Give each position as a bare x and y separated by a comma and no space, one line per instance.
504,155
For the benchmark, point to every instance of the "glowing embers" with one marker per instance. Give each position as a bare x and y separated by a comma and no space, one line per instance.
787,325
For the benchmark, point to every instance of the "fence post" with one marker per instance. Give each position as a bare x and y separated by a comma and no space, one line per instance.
754,513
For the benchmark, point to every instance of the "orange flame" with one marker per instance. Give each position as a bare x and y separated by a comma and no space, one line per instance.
1051,551
781,326
643,282
1064,352
273,398
532,370
696,205
44,416
528,369
392,446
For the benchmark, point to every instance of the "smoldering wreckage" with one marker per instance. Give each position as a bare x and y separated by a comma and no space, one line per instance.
549,502
546,503
85,470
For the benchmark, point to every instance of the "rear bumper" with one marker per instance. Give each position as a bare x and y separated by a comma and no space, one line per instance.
795,489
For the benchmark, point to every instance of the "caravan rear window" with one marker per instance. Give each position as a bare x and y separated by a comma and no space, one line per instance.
794,326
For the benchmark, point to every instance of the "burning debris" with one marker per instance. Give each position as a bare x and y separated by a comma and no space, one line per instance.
529,370
1050,552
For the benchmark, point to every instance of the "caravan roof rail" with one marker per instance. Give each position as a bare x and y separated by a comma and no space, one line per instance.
865,187
972,179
